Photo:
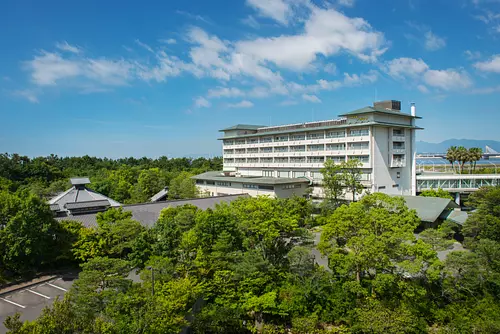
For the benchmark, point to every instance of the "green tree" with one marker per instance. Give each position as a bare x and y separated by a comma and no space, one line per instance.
352,177
149,182
475,154
333,182
182,186
484,222
452,156
436,193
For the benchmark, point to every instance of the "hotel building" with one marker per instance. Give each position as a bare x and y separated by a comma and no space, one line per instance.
283,160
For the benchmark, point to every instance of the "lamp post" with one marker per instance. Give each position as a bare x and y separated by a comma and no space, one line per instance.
494,165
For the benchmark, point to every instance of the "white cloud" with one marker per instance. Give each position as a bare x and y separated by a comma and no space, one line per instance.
449,79
27,94
311,98
242,104
330,68
355,79
251,22
168,41
423,89
347,3
64,46
471,55
326,32
277,10
401,67
491,65
433,42
201,102
225,92
144,45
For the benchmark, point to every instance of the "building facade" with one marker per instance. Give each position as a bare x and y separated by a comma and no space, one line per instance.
381,137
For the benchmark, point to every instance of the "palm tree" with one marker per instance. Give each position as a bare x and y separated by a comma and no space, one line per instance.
462,157
451,156
476,154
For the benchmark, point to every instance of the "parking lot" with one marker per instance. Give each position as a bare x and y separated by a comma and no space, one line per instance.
30,301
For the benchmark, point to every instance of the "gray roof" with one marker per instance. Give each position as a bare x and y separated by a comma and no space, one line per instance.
218,176
161,195
79,180
147,213
54,207
88,204
75,194
456,216
321,128
368,109
243,127
429,209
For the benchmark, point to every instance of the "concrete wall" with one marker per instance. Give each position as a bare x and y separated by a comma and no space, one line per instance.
237,188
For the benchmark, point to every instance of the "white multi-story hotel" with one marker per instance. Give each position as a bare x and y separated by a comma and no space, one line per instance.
282,160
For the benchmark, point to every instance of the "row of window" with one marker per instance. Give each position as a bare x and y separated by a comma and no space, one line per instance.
296,174
319,159
302,148
228,184
303,136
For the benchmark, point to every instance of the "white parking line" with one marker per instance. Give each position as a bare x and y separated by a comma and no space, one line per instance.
8,301
57,287
37,293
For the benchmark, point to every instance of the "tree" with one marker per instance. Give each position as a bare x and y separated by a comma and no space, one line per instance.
333,182
182,186
149,182
351,174
475,154
484,223
436,193
462,157
452,156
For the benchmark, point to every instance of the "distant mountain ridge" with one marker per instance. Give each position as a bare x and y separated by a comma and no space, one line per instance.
425,147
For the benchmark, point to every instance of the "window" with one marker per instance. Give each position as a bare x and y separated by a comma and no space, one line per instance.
266,150
316,135
336,159
316,159
292,186
266,160
398,146
358,146
320,147
281,138
358,132
398,132
395,185
301,148
297,159
210,182
298,137
299,174
317,175
335,134
361,158
240,142
253,160
335,147
281,149
240,160
250,186
228,161
281,160
381,187
253,141
284,174
240,151
266,139
266,187
223,184
267,173
228,151
253,150
228,142
200,182
398,175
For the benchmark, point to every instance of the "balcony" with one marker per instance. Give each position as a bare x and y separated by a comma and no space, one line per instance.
399,138
399,150
398,163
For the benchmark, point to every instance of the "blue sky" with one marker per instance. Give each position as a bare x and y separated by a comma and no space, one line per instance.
152,78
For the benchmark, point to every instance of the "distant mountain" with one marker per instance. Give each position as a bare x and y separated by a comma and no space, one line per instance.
425,147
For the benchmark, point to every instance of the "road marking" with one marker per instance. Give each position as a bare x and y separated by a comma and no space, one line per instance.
57,287
8,301
37,293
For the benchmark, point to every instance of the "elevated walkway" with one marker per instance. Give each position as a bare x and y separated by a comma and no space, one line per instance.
460,183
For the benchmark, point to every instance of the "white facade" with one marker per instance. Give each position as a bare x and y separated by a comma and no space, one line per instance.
382,139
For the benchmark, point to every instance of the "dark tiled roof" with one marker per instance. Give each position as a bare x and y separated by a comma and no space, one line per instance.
147,213
218,176
366,110
87,204
243,127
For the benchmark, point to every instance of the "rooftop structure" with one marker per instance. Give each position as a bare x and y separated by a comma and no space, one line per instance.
148,213
80,200
381,137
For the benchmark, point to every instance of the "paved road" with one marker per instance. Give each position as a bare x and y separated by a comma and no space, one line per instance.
31,301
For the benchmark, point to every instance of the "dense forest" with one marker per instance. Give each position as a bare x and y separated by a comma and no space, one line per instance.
127,180
250,267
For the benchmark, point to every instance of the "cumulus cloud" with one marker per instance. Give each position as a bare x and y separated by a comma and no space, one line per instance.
224,92
418,71
242,104
201,102
278,10
491,65
433,42
311,98
424,36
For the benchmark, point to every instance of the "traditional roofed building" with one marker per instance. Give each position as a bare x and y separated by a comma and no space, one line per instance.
80,200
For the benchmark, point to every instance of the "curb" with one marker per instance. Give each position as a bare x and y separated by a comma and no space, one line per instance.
25,285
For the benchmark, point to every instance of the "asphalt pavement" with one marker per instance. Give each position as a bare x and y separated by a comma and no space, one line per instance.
30,301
